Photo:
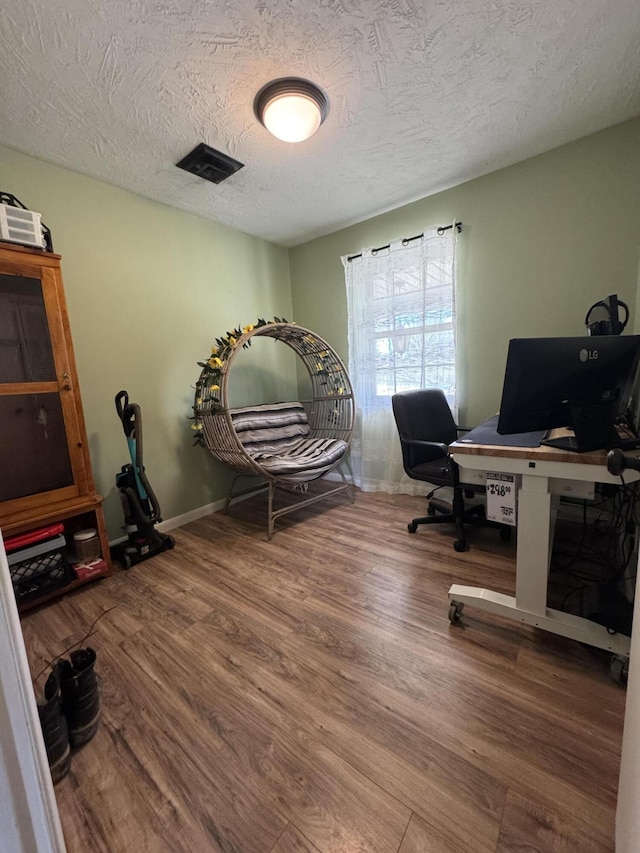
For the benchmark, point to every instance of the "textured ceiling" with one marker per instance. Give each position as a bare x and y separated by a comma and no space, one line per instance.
423,95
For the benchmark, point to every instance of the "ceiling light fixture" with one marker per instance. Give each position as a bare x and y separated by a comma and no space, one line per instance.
291,108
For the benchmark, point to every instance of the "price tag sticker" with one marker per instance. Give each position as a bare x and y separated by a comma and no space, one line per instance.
502,494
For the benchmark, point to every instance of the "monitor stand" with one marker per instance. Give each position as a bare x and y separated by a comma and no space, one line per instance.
593,428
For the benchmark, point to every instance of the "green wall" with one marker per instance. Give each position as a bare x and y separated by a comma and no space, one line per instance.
148,289
541,242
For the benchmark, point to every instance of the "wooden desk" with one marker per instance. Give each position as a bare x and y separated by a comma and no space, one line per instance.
546,472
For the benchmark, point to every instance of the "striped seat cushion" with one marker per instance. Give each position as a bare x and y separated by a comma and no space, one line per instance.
306,459
276,436
270,428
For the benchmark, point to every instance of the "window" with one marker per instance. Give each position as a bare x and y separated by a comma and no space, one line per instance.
402,330
401,303
412,342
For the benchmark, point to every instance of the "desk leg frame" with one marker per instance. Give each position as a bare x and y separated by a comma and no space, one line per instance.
529,606
554,621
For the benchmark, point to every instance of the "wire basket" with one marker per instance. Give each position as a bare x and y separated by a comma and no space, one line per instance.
37,574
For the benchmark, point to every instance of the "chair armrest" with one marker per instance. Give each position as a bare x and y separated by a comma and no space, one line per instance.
433,445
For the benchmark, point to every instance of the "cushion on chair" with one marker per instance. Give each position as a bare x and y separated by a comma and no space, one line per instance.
270,428
276,436
307,459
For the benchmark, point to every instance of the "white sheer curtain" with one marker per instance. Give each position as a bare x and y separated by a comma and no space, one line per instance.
402,336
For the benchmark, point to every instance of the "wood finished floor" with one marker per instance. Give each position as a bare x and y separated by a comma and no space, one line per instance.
308,695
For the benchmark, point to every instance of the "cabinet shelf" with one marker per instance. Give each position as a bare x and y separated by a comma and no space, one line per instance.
25,606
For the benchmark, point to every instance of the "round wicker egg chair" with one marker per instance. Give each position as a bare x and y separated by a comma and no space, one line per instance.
288,445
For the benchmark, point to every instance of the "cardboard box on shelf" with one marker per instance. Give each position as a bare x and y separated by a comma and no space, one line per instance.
90,569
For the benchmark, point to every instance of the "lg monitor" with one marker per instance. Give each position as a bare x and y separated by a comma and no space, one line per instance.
582,383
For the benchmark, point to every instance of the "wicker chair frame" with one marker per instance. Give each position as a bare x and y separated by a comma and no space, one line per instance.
330,413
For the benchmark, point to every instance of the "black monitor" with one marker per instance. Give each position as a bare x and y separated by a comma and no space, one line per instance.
582,383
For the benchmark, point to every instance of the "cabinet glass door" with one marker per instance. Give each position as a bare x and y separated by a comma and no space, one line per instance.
34,456
34,428
26,354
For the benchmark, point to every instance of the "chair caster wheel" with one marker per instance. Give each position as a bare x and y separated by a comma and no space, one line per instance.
411,527
455,612
619,669
459,545
505,534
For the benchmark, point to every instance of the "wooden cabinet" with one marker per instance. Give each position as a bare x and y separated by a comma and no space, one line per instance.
45,468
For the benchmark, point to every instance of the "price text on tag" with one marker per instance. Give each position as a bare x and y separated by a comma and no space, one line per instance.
502,494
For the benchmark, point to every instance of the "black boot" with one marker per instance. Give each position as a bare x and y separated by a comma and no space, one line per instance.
54,727
80,695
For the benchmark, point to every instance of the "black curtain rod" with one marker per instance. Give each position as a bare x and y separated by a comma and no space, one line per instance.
441,229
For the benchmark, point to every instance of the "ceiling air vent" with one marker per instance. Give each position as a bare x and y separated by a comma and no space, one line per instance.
207,163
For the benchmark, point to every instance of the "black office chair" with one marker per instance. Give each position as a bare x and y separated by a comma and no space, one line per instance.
427,428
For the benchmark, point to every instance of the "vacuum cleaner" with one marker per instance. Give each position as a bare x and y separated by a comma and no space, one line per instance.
139,504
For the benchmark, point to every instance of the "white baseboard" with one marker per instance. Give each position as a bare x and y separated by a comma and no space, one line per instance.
192,515
207,509
179,520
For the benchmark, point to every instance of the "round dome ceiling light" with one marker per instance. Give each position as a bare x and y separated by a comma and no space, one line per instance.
291,108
